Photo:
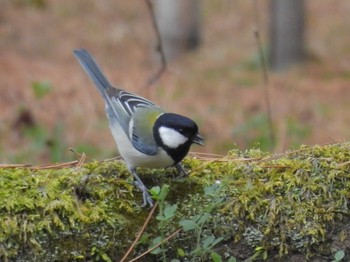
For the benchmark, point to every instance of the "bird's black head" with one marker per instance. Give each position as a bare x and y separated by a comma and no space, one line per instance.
175,134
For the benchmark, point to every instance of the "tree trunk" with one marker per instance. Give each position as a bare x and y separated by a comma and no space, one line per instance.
179,26
286,33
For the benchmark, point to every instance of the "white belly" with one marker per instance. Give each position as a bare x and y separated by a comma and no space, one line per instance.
134,158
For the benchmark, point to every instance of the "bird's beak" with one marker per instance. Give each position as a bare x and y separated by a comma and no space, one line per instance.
198,139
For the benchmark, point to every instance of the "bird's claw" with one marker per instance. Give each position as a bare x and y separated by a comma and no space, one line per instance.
147,199
181,170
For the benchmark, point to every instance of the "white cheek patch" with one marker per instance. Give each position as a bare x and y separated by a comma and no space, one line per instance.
171,138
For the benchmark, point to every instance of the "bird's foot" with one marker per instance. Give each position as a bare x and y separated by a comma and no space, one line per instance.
181,170
147,199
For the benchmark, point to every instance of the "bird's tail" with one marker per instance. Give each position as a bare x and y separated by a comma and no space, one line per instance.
93,70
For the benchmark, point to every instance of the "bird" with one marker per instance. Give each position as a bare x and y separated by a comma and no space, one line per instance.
145,134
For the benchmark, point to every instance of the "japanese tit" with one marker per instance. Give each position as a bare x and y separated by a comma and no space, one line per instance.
146,135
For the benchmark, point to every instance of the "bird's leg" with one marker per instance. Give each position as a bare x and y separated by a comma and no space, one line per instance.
146,196
181,170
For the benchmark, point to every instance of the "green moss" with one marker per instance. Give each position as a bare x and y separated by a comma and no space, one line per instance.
294,203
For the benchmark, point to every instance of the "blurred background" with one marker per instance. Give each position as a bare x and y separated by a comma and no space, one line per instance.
49,105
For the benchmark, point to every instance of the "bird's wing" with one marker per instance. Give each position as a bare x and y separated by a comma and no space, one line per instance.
136,115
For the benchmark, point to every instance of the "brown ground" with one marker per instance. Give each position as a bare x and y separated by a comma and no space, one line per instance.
218,85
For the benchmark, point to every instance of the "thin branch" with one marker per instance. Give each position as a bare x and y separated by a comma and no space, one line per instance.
156,246
80,155
112,159
264,72
14,165
56,166
140,233
152,80
81,160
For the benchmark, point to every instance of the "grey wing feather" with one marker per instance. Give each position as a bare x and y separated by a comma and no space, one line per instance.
124,105
150,148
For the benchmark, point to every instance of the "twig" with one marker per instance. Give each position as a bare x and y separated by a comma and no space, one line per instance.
80,154
14,165
112,159
156,246
140,233
55,166
343,164
264,72
152,80
81,160
206,154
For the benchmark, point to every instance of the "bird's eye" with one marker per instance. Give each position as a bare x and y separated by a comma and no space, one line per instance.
181,131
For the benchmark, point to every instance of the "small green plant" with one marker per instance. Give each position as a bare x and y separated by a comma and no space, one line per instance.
338,256
204,242
217,258
165,215
260,254
41,88
99,254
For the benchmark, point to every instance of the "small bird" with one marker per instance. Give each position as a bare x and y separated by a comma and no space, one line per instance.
146,135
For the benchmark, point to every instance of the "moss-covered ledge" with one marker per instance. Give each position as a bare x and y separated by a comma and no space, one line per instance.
246,205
